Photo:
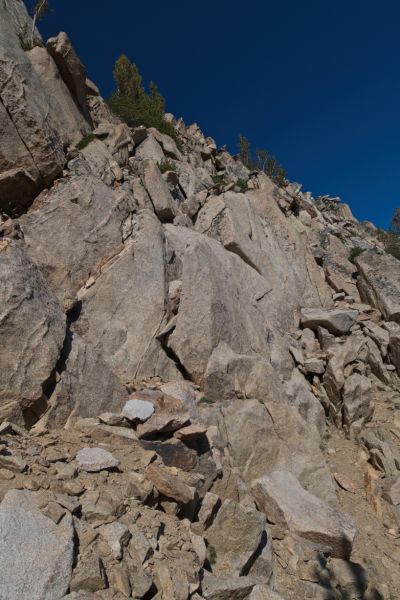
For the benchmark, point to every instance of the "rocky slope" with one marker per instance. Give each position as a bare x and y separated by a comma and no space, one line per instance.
199,391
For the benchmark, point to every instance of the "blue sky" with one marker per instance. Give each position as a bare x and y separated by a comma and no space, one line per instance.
315,82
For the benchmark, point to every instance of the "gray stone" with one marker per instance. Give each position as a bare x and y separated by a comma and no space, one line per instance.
264,437
95,459
158,191
71,125
36,554
71,69
62,236
117,535
300,395
87,386
31,146
235,536
169,484
337,321
32,331
287,504
264,592
226,588
358,405
379,283
138,411
125,308
150,149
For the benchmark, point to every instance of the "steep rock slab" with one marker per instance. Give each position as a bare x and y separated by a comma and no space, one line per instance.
358,405
36,555
20,18
272,436
337,321
70,122
19,174
125,308
77,227
299,394
340,272
158,191
394,344
222,300
379,283
72,70
229,374
27,105
87,386
236,536
226,588
252,226
287,504
32,328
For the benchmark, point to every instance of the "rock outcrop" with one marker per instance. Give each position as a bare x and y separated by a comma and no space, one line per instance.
198,387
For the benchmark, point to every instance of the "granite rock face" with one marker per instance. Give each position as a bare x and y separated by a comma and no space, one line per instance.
189,361
36,553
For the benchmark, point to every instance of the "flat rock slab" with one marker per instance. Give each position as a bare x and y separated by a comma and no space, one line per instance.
138,411
226,588
35,554
95,459
235,535
287,504
337,321
170,485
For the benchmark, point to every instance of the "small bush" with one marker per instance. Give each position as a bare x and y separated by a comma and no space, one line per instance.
218,180
391,242
264,161
85,141
242,184
131,103
205,400
166,165
354,252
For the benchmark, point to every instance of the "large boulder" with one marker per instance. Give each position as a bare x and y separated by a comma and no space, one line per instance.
222,300
36,555
86,388
337,320
379,283
158,191
32,330
252,226
229,375
288,505
25,111
394,343
236,536
263,437
125,309
70,122
76,229
72,70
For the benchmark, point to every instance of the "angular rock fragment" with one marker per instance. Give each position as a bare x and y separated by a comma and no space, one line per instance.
226,588
290,506
170,485
95,459
379,283
36,555
235,536
138,411
337,321
32,330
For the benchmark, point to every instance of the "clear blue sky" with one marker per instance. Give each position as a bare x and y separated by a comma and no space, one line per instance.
316,82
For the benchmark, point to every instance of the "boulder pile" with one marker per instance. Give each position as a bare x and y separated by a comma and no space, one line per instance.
199,382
